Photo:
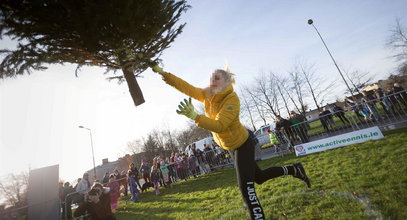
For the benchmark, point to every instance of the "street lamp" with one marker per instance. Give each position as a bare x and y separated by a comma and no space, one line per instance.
311,22
91,143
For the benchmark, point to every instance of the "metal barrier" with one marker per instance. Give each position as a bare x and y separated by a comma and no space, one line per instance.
387,112
202,163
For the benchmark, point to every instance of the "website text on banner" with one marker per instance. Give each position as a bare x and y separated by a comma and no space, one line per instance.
354,137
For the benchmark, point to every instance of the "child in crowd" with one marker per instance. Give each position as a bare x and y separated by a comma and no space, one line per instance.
132,186
165,171
114,191
155,178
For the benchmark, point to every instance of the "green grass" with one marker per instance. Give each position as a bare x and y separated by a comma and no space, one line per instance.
361,181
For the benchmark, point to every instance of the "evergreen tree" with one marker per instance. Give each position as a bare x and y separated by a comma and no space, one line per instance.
115,34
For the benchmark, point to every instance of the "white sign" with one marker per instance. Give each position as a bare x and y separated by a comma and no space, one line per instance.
353,137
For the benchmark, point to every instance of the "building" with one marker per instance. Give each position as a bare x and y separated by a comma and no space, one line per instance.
106,166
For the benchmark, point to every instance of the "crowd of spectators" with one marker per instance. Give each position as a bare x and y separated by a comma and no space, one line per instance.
392,102
161,172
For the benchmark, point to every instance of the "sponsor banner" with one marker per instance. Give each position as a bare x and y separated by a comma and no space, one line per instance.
353,137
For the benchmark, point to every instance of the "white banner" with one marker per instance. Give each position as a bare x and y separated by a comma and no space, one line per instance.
353,137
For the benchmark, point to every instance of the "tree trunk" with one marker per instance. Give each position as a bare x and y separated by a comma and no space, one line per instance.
134,88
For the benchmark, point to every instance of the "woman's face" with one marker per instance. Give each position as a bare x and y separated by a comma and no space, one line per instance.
94,198
217,81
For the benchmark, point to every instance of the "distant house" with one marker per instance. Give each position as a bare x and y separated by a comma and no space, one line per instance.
122,164
389,82
102,169
312,115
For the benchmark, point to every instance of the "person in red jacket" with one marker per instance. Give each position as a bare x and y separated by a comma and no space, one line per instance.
222,109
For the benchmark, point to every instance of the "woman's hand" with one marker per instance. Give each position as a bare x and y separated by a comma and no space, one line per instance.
157,69
186,108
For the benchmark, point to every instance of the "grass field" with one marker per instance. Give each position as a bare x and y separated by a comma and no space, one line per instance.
361,181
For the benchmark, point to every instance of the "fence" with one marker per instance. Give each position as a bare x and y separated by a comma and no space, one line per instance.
386,112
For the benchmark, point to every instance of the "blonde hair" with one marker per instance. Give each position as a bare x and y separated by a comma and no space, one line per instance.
228,76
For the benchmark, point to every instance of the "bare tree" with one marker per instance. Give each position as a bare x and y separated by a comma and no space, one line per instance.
135,146
255,103
14,189
285,86
358,79
150,147
398,42
170,143
190,134
246,108
264,93
298,87
281,83
315,83
159,138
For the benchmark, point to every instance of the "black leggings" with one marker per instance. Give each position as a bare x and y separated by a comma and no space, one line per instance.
248,173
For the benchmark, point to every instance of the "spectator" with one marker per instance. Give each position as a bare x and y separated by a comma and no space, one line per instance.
325,117
383,100
300,126
209,156
178,165
156,163
340,113
400,94
145,171
61,190
166,172
67,200
369,102
201,161
273,137
192,165
114,187
132,186
123,181
155,178
97,204
134,173
283,130
105,179
355,108
171,170
185,166
394,104
83,187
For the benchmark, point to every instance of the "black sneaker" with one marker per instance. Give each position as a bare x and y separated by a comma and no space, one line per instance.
299,172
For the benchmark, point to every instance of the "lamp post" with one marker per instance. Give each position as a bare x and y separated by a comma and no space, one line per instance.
91,143
311,22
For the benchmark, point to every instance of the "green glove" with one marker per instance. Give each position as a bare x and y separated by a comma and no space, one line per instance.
186,108
157,69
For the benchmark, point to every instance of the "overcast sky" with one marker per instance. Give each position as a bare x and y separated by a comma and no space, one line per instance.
40,113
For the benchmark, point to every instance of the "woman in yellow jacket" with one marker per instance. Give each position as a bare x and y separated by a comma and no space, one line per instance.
222,108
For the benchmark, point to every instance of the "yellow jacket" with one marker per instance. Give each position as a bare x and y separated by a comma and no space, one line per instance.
221,112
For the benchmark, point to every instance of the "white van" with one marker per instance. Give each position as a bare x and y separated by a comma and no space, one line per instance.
199,144
263,136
